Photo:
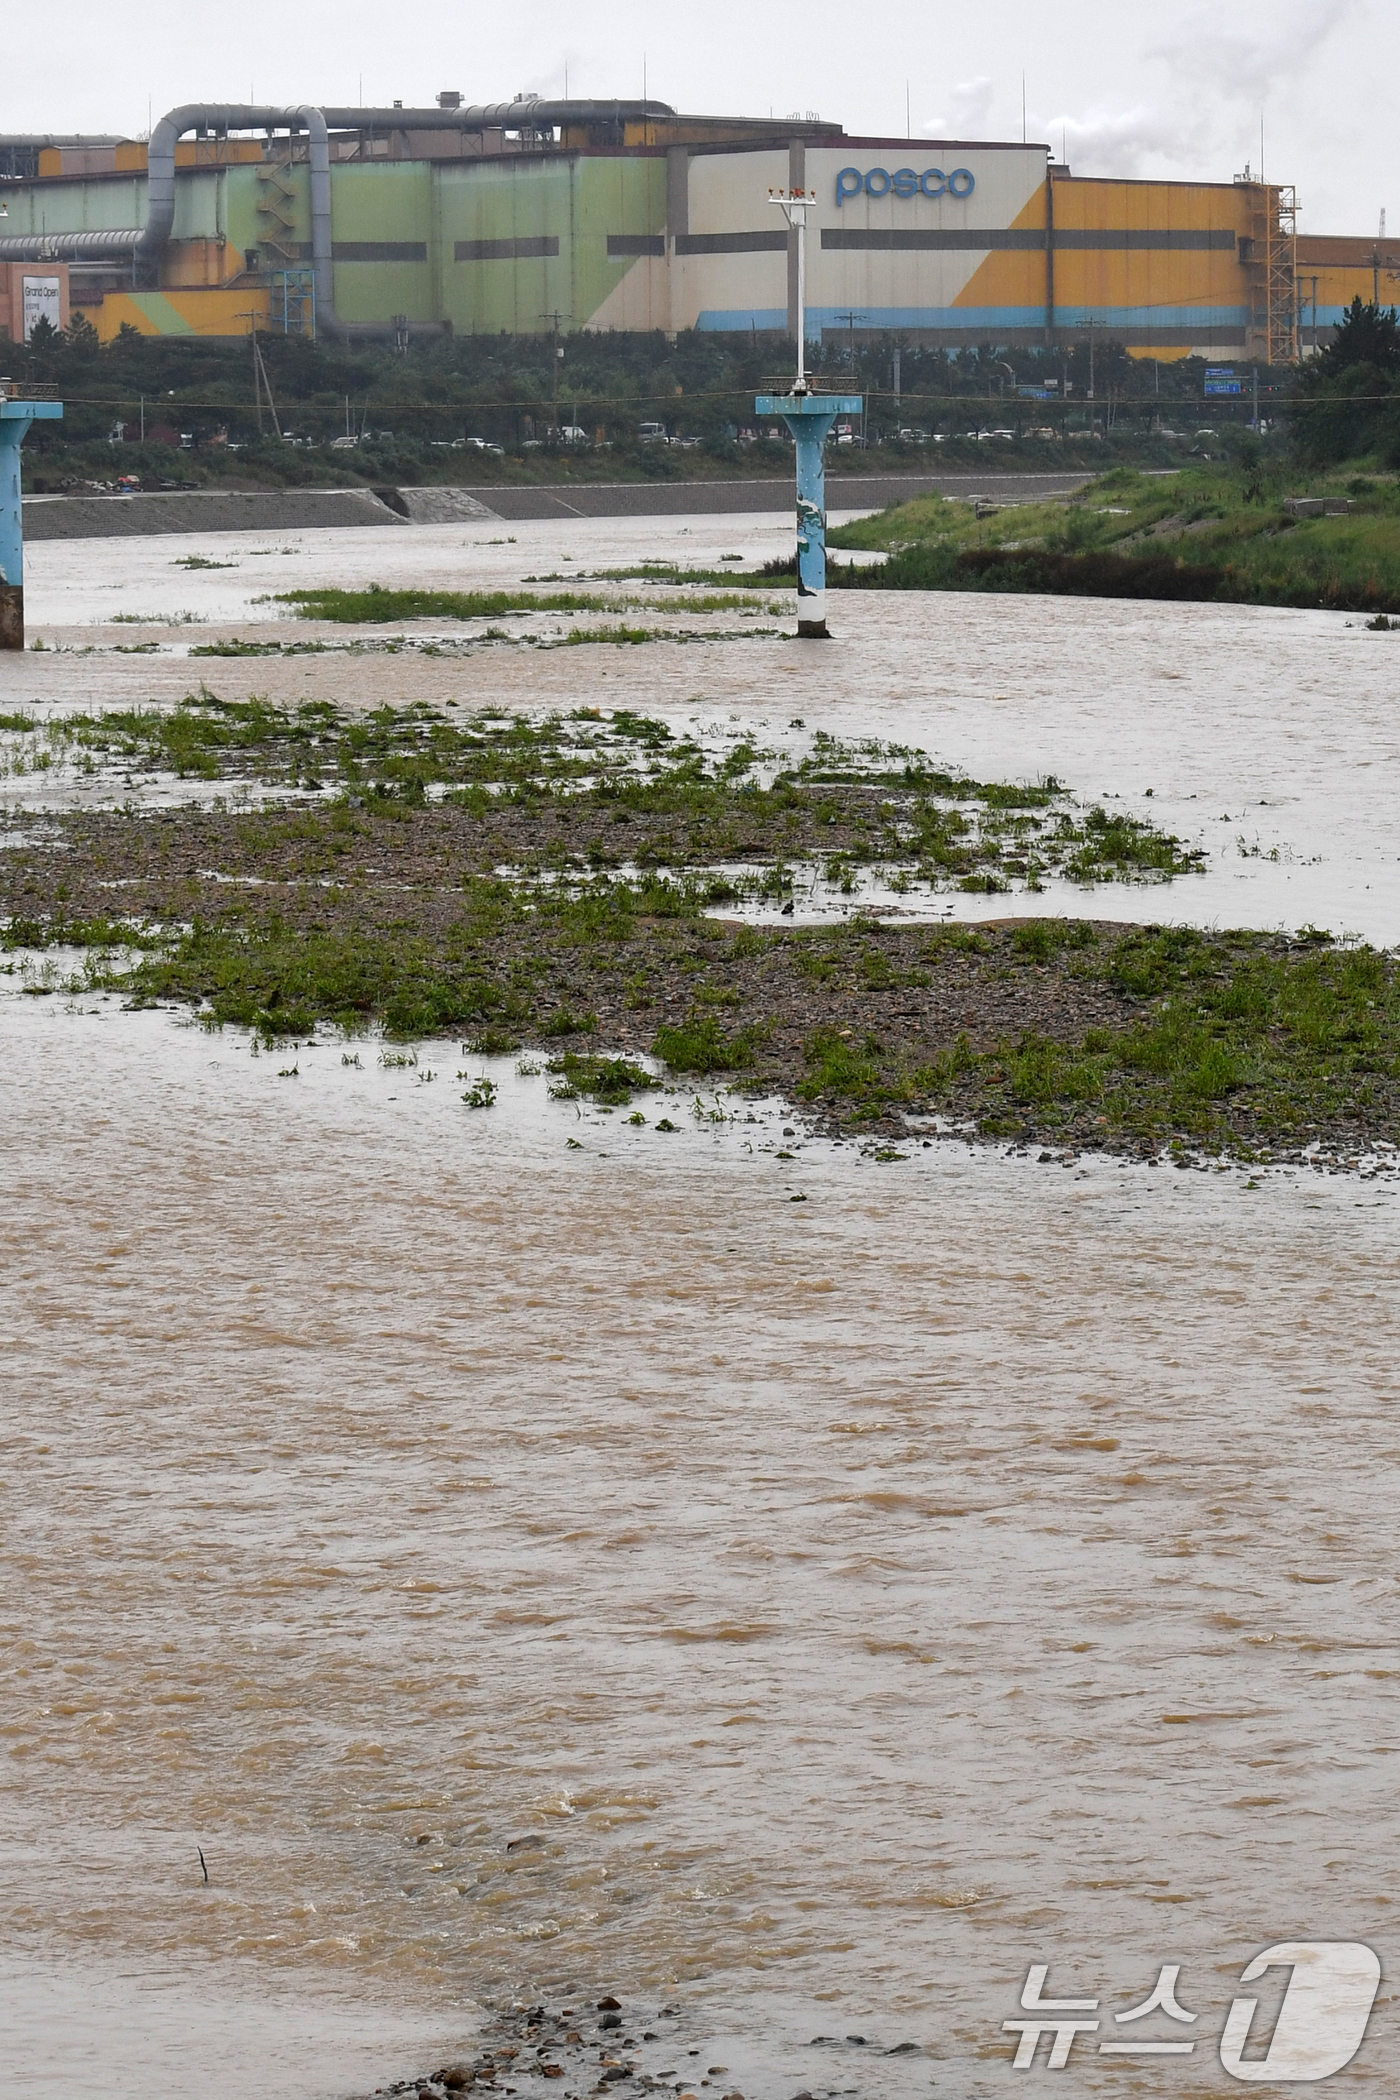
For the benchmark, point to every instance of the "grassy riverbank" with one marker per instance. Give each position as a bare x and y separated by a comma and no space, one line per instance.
568,888
1210,532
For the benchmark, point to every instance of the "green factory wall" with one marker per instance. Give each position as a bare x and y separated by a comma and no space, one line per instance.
504,211
484,232
378,209
75,207
247,187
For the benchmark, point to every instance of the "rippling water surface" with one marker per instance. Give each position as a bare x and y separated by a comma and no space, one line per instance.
975,1563
857,1599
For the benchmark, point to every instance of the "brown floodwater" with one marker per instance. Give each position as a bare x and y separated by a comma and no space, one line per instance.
977,1563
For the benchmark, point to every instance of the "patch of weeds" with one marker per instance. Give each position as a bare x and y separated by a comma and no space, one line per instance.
378,605
699,1044
609,1080
564,1021
837,1066
492,1042
1040,940
1123,849
481,1093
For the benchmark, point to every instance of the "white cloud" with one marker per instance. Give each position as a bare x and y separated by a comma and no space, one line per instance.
1221,75
969,111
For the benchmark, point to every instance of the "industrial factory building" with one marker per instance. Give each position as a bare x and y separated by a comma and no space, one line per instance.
531,216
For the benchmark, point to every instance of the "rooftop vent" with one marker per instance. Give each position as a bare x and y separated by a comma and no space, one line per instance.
449,99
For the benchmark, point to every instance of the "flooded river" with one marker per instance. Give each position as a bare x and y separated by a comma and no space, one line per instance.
859,1581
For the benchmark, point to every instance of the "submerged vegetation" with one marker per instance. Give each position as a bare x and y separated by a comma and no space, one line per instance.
580,793
555,883
377,605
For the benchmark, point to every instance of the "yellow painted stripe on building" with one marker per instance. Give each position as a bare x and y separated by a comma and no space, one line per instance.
1095,204
189,312
1012,276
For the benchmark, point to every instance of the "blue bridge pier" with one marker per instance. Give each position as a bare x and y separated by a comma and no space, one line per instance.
809,417
19,407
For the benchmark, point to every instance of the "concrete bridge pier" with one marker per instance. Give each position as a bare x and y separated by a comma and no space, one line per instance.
17,412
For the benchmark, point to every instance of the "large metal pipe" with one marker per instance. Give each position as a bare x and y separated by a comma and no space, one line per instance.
68,247
40,139
529,114
216,117
222,117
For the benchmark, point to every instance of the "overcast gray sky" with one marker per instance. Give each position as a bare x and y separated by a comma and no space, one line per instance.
1149,90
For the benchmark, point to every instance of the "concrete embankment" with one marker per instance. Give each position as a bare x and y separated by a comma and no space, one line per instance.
296,510
212,510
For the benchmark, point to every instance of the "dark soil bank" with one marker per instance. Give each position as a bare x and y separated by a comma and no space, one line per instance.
585,2050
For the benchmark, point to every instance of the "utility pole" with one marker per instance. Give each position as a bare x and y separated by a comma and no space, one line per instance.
261,383
555,318
850,319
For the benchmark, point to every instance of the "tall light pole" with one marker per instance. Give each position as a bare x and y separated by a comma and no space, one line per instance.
809,417
794,206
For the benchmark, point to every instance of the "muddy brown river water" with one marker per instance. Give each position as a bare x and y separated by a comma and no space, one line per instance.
860,1581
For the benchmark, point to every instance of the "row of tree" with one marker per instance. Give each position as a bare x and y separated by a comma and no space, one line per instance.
1341,403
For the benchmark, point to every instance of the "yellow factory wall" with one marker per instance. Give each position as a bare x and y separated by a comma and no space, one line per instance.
182,312
206,263
1155,264
1014,279
1332,270
132,156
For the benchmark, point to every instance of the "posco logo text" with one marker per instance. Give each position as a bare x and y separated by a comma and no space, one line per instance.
905,182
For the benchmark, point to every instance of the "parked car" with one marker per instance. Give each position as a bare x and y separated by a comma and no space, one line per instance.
652,434
572,434
344,444
475,444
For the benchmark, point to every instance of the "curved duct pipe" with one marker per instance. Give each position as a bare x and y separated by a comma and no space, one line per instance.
68,247
233,116
528,115
145,247
207,116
